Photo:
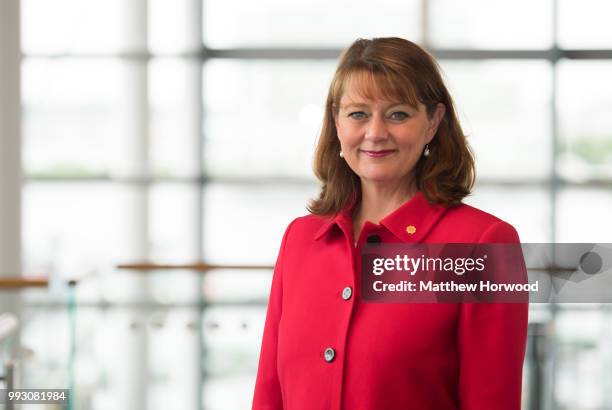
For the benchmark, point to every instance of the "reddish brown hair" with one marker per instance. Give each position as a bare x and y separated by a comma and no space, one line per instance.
401,71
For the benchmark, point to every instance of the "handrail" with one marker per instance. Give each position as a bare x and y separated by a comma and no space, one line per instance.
31,281
22,282
199,266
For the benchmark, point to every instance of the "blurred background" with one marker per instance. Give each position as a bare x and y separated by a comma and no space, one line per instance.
170,132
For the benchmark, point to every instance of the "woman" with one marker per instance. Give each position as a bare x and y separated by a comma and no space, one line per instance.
394,165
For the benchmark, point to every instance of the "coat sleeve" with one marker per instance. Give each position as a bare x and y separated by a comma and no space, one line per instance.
491,343
268,394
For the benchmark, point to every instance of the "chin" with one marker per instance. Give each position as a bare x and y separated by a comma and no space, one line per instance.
378,177
380,174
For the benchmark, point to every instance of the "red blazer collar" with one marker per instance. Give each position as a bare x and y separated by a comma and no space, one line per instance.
411,222
344,221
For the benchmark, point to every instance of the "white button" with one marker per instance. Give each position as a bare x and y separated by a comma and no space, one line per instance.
329,354
347,292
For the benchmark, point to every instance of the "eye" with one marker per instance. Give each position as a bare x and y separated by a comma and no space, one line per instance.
399,115
357,115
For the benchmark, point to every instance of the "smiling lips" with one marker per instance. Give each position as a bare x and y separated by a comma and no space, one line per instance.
378,154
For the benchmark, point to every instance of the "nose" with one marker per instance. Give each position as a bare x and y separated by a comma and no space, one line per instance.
376,129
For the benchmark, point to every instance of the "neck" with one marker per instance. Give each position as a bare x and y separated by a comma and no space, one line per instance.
380,199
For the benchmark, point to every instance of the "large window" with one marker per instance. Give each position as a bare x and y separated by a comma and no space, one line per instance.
175,131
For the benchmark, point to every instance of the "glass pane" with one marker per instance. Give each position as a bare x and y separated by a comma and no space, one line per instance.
77,228
235,285
244,224
77,26
585,24
484,24
263,118
504,108
173,26
527,209
584,101
48,367
583,215
239,23
173,353
583,359
175,128
232,339
232,392
112,357
173,216
77,116
122,286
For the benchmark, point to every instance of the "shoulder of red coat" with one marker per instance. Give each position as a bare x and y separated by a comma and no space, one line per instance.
311,222
308,224
472,214
477,221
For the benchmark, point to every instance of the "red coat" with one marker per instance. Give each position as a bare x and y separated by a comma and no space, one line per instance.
385,356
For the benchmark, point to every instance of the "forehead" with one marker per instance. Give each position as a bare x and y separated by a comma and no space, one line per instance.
362,86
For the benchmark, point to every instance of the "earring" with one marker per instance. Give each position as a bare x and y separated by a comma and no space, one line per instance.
341,154
426,152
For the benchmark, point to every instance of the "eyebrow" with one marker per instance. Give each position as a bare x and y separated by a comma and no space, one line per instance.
362,105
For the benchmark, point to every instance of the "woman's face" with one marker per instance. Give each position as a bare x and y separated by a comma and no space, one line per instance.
382,140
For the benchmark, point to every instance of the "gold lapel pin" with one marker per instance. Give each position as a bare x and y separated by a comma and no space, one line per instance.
411,229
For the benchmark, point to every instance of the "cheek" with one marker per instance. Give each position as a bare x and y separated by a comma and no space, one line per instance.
413,137
348,135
